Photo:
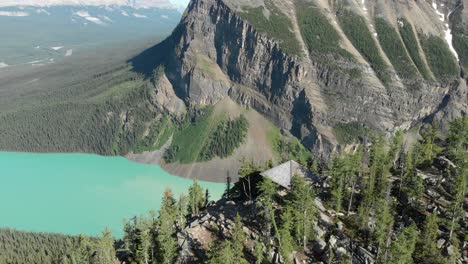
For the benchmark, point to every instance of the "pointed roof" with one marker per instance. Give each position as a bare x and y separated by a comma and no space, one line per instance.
283,173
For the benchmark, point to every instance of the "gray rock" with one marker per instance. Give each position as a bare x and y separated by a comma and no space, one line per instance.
319,246
440,243
332,241
339,225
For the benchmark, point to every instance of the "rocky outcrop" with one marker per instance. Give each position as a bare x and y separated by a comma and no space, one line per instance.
214,53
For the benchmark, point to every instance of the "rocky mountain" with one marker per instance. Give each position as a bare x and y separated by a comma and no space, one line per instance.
317,68
240,78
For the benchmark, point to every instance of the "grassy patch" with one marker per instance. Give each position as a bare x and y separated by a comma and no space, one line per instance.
319,35
395,50
350,133
288,148
411,44
355,27
159,133
205,135
439,56
191,136
277,26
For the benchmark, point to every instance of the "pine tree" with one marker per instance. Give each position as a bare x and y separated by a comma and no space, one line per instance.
337,173
413,185
258,252
300,202
105,253
383,228
182,211
238,238
196,198
265,201
167,243
222,253
457,146
428,148
286,243
427,245
402,248
456,207
245,172
83,251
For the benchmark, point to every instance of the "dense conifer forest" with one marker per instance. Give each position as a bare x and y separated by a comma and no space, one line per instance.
396,202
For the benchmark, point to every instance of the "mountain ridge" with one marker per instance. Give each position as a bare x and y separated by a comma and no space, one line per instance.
130,3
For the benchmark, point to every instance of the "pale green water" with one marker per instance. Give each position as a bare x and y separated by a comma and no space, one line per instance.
79,193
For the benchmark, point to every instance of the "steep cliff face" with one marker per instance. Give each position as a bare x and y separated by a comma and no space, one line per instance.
218,51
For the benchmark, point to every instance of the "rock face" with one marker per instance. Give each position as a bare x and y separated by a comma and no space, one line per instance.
214,53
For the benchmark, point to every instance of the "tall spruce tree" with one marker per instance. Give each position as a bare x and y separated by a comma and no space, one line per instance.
196,198
286,241
167,243
105,251
427,250
300,202
265,203
403,247
238,239
383,229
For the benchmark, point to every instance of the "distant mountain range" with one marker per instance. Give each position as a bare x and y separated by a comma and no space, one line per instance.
39,32
129,3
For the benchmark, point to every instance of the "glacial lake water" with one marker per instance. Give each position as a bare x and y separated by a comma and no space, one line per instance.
81,193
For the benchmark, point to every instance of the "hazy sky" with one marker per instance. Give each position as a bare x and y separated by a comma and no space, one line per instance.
180,2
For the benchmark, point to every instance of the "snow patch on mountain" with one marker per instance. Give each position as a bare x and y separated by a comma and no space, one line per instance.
69,53
130,3
448,32
87,16
57,48
3,65
139,15
14,14
43,11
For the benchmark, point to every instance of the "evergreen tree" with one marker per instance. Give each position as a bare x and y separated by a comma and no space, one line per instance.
457,148
196,198
141,244
286,242
428,148
265,201
105,253
412,183
83,251
402,248
427,245
258,252
238,239
456,207
222,253
182,211
167,243
245,172
383,228
338,175
300,202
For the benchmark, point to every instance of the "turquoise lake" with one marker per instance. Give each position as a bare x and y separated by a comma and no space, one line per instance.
81,193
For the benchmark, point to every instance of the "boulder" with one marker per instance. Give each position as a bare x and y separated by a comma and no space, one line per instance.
440,243
319,246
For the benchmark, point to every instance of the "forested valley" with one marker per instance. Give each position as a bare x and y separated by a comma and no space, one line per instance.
384,201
